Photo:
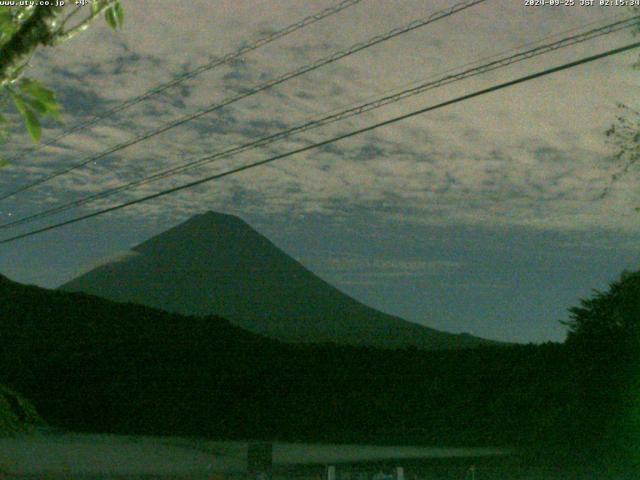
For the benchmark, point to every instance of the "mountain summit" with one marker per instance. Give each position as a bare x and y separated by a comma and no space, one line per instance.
217,264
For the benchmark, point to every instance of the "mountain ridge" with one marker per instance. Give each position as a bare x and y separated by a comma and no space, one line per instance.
217,264
89,364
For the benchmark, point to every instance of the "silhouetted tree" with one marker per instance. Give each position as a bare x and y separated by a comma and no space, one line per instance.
604,340
624,134
609,321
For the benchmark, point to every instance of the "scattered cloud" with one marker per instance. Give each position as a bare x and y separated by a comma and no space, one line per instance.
531,156
375,270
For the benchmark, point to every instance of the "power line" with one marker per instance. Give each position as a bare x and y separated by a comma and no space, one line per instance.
229,57
210,178
260,88
343,114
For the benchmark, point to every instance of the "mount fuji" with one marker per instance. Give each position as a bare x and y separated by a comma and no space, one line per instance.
216,264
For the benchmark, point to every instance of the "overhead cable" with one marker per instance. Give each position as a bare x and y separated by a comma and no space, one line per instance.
254,90
225,59
313,146
341,115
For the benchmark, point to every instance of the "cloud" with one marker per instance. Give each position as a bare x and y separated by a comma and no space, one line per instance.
530,156
372,270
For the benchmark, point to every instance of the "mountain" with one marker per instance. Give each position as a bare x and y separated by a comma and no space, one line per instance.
216,264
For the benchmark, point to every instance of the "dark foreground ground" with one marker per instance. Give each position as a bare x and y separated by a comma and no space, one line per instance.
84,456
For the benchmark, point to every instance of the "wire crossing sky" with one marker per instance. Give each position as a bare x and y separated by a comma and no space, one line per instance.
229,57
469,96
503,62
434,17
483,216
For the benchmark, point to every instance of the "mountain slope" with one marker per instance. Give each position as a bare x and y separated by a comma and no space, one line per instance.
217,264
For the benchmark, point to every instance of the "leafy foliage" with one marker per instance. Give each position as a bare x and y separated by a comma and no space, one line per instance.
24,29
114,15
624,134
34,100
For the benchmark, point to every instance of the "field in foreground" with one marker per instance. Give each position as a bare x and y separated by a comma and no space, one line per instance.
70,456
97,456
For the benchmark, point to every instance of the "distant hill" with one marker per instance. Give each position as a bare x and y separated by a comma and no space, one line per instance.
216,264
90,364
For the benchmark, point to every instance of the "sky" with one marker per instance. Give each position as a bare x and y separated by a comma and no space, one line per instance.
484,217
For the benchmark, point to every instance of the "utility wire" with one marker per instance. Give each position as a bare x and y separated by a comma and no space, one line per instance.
341,115
227,58
390,121
257,89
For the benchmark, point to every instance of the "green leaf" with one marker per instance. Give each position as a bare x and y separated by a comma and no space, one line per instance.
54,112
33,125
6,15
41,99
36,105
119,11
38,91
6,19
111,17
96,6
30,118
114,15
7,25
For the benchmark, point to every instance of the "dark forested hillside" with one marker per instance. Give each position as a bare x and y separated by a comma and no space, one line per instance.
95,365
92,364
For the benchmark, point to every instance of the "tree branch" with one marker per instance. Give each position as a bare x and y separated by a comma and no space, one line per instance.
32,33
82,26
